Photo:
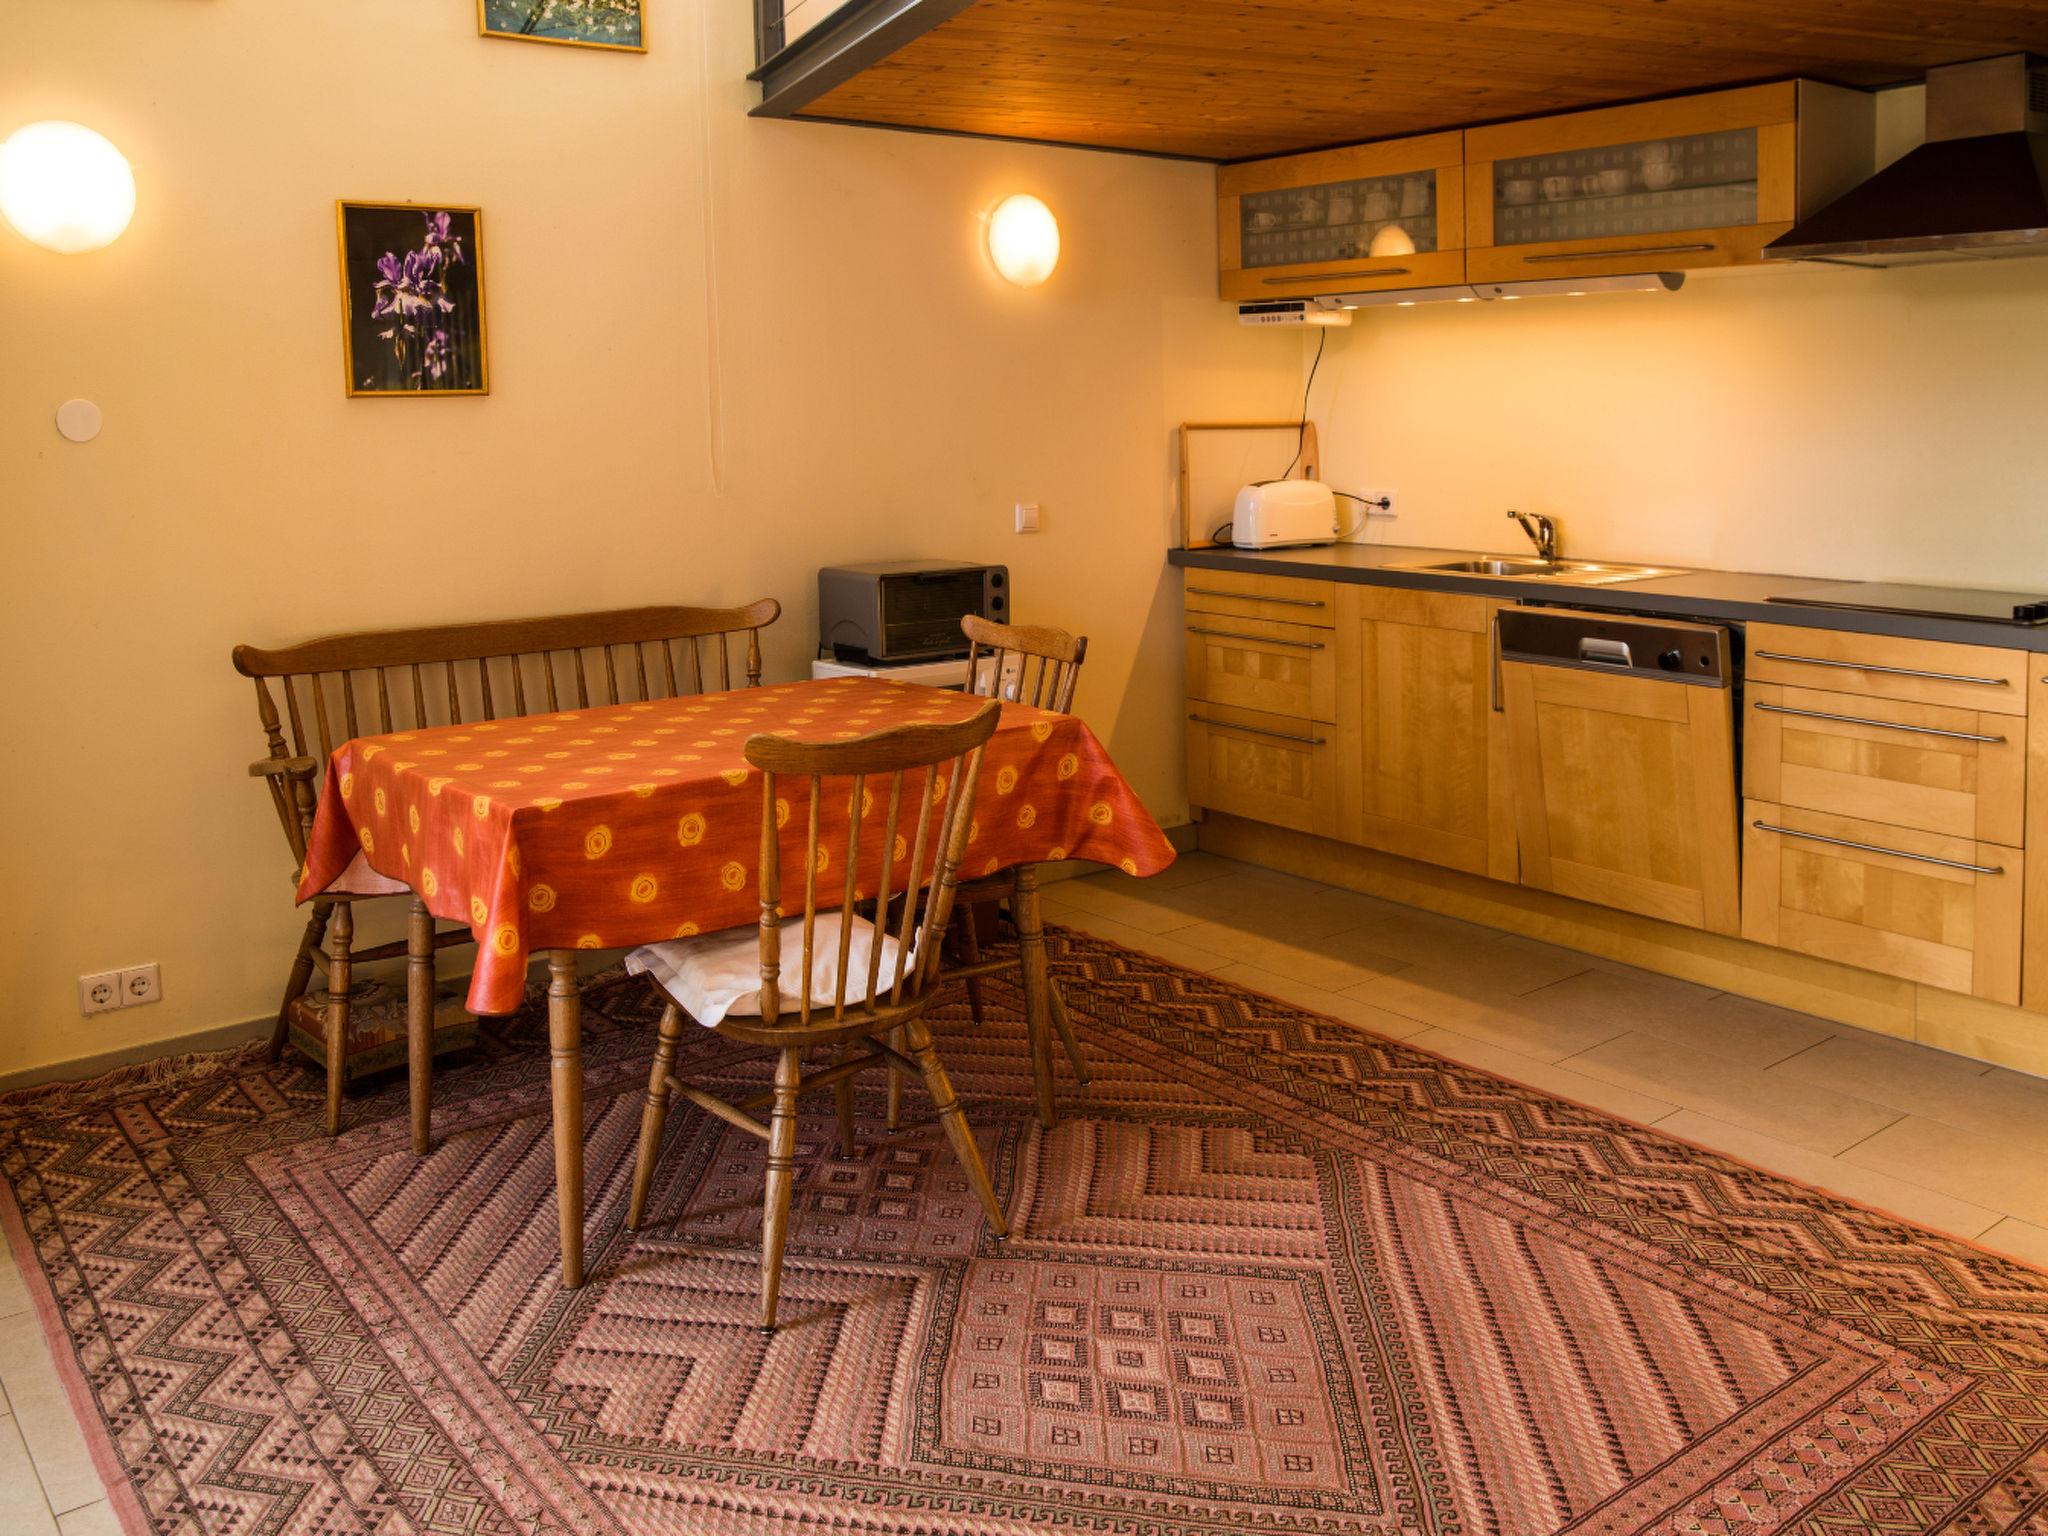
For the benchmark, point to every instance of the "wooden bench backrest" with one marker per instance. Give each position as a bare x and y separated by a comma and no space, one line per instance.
312,697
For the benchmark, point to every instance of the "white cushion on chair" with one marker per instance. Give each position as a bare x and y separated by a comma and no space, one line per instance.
713,975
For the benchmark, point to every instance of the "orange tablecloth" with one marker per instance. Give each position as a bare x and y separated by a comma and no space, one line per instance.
602,828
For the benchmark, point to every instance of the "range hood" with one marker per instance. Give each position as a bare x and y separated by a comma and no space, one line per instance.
1977,189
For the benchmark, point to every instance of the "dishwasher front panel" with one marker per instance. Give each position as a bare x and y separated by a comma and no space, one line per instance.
1622,745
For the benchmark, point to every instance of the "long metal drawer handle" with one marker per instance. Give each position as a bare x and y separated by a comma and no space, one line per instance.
1890,853
1882,725
1259,730
1327,277
1636,250
1235,634
1871,666
1253,597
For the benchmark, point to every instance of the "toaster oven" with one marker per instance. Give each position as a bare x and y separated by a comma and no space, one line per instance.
906,610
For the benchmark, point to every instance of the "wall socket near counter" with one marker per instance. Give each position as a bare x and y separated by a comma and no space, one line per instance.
1369,503
130,988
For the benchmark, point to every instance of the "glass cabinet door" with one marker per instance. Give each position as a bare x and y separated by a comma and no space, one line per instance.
1652,186
1339,221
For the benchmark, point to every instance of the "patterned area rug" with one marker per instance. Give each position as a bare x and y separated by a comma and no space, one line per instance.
1270,1274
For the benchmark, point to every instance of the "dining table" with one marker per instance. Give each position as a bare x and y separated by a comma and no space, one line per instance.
627,824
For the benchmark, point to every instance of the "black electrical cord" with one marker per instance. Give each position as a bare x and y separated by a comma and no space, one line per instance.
1301,432
1220,534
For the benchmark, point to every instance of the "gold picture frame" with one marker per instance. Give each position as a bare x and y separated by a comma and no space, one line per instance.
389,299
485,29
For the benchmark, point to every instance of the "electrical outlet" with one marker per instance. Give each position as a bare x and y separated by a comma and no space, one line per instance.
1372,498
99,992
141,984
1027,517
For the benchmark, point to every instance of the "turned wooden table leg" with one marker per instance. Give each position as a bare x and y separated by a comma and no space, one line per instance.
565,1056
342,936
1037,978
419,1021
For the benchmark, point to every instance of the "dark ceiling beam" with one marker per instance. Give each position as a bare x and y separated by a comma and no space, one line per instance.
833,52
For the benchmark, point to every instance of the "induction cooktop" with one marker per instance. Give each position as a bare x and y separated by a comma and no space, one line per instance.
1922,602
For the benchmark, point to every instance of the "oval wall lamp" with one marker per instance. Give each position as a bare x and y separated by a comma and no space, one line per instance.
65,187
1024,240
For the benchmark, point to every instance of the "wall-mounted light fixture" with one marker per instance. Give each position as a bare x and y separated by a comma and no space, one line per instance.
65,187
1024,240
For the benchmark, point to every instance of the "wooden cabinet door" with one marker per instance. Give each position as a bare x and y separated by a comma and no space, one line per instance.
2034,949
1300,225
1270,768
1940,910
1699,181
1954,771
1625,792
1281,669
1938,672
1427,770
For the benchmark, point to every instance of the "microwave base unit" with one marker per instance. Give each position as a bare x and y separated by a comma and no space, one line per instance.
906,610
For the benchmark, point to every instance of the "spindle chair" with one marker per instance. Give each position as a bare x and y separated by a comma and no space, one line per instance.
333,689
871,1019
1039,666
1024,663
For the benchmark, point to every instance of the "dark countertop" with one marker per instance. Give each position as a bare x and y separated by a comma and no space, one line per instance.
1737,596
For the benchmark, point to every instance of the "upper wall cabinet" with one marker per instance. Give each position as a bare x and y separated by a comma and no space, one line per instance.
1700,181
1374,216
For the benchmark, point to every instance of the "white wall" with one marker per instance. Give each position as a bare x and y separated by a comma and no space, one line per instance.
723,352
1859,424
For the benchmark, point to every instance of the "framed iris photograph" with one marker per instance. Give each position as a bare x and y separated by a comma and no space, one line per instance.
583,23
412,299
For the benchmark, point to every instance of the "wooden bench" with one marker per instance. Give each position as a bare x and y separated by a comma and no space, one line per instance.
311,698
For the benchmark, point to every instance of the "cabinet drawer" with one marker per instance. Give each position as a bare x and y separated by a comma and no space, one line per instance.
1953,771
1269,768
1239,595
1940,910
1279,669
1971,677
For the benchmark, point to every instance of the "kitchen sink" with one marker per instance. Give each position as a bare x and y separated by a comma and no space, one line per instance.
1586,573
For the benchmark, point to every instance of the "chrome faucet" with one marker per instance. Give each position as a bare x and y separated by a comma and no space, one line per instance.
1542,532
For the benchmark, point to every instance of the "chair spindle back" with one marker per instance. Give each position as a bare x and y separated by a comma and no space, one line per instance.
1025,664
928,768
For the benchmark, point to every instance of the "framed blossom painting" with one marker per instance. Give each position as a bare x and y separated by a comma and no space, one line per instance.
587,23
412,299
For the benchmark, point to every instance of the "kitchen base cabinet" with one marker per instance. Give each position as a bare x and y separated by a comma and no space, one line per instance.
1944,911
1270,768
1426,762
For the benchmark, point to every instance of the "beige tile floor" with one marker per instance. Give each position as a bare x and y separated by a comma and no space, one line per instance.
1952,1144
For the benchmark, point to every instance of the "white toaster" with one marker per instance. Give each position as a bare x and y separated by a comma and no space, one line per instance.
1273,513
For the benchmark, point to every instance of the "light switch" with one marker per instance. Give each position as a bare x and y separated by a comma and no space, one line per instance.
1027,517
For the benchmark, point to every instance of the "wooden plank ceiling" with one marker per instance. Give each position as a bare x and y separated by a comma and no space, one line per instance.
1227,79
